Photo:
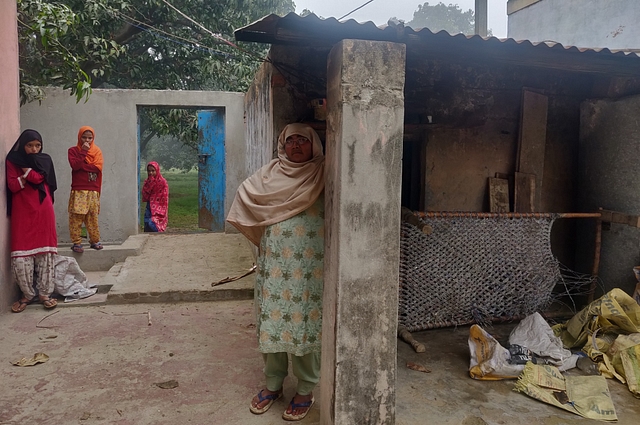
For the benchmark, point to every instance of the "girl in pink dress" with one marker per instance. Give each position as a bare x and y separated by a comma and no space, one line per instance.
155,192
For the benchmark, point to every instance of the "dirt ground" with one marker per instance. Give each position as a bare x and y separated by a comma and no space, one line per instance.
108,363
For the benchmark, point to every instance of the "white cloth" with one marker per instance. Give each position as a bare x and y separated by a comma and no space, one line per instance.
534,333
70,281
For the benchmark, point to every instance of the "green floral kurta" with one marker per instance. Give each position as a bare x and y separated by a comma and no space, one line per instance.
289,284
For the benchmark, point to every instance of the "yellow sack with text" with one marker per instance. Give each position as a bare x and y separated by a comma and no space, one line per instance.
613,313
622,361
587,396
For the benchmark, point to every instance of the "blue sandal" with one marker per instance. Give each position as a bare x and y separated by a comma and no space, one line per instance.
271,397
291,417
98,246
77,248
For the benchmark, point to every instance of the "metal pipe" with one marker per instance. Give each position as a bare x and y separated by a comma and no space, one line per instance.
470,214
596,261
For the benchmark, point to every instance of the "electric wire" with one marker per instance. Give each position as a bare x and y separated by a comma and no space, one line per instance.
357,8
208,31
174,38
219,37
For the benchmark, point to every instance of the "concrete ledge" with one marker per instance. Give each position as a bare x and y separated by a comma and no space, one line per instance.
91,260
180,296
122,290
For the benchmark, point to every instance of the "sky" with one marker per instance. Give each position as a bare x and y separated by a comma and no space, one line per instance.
379,11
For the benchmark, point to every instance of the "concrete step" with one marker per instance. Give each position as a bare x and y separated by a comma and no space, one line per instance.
167,268
122,290
91,260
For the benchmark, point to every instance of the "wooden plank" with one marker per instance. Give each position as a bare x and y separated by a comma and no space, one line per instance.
524,193
498,195
621,218
510,179
533,138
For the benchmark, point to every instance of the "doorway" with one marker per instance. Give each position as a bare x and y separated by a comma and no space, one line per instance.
189,146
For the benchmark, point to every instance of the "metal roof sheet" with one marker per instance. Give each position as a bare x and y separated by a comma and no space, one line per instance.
311,30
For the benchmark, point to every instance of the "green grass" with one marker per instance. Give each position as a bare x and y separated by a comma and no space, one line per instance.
183,201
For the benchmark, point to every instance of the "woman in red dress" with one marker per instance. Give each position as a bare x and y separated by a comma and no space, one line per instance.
155,192
31,181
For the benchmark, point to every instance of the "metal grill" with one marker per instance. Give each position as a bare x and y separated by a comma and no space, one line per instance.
466,268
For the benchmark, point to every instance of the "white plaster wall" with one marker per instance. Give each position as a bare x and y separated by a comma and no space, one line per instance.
583,23
113,115
259,118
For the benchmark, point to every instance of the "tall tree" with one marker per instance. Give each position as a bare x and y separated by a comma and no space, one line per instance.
140,44
442,17
80,44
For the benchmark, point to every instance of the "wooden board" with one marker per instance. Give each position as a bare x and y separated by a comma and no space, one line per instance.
618,217
524,193
498,195
532,138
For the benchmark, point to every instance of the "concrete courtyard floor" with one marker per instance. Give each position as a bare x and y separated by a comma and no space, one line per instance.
110,357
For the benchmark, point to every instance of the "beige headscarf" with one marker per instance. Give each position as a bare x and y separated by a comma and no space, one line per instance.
279,190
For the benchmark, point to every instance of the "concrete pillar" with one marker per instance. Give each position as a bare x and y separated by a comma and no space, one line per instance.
365,104
481,17
9,132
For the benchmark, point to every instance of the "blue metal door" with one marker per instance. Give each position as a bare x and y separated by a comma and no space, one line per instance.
211,170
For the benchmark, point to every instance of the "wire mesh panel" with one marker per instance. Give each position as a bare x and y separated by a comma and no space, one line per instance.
471,269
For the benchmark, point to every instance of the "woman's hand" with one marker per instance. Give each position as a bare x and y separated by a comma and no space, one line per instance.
86,146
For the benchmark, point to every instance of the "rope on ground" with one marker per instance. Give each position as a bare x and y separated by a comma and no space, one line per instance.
48,315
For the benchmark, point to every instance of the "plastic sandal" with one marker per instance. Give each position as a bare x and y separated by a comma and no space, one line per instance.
77,248
20,305
271,397
291,417
49,303
97,246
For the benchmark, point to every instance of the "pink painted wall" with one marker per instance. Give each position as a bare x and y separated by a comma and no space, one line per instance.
9,131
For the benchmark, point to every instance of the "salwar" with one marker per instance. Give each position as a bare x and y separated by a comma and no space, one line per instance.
42,267
149,225
84,207
90,220
306,368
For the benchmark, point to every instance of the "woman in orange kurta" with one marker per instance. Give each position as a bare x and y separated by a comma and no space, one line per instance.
86,183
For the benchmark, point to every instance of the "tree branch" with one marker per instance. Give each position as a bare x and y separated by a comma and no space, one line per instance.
126,33
147,138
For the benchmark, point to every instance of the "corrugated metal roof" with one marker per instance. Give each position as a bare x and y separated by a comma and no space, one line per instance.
310,30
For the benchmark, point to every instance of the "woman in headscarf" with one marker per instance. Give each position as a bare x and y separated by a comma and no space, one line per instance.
86,183
31,182
155,192
280,209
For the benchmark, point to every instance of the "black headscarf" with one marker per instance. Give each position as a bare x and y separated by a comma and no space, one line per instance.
40,162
